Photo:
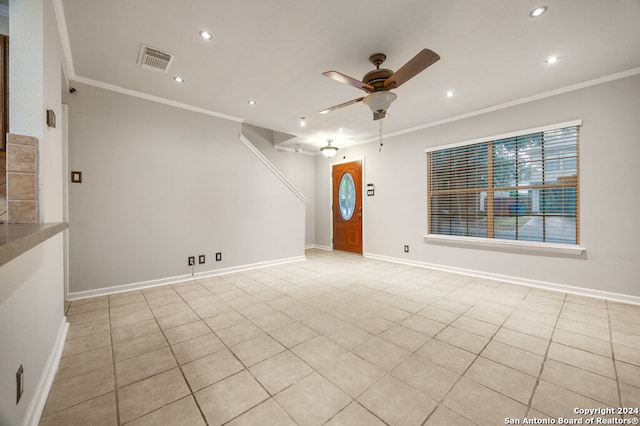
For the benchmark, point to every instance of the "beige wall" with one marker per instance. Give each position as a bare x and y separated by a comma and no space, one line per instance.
161,184
397,214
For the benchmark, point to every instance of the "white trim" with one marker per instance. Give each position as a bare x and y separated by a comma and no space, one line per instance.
180,278
63,31
65,193
34,412
273,168
512,245
563,288
153,98
515,133
578,86
318,247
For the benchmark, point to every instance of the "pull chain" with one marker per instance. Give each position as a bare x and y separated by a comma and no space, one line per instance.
380,133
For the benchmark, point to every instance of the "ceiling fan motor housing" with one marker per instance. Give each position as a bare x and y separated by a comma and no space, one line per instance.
376,78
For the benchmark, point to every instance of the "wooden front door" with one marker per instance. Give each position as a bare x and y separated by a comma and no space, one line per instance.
347,207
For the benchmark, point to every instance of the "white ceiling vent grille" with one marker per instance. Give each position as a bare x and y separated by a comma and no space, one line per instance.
154,60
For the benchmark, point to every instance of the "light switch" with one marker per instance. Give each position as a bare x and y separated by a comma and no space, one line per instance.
76,177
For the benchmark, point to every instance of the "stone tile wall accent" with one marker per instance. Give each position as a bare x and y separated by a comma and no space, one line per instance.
3,186
22,179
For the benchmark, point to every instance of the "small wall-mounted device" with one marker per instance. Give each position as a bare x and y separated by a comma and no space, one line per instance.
76,177
51,118
371,190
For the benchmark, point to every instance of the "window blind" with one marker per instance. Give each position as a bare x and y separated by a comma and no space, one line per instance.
523,187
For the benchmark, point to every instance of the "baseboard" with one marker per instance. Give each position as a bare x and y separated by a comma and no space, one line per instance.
318,247
618,297
34,412
178,279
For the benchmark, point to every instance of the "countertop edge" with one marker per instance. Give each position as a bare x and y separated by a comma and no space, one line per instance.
21,238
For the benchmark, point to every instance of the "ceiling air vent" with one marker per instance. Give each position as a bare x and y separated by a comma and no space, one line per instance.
154,60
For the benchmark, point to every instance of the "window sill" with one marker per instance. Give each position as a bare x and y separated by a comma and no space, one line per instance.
507,245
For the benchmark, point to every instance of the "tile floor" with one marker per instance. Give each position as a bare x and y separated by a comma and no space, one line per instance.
343,340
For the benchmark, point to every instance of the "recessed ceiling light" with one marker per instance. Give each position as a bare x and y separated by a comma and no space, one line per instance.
251,102
341,129
303,121
450,94
552,59
538,11
178,79
206,35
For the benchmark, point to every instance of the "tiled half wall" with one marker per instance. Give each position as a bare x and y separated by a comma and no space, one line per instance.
21,180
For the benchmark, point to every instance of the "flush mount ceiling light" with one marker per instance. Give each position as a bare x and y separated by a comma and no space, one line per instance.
538,11
450,94
552,60
251,102
329,150
178,79
206,35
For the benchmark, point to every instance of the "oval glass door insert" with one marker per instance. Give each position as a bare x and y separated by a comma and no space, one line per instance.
347,196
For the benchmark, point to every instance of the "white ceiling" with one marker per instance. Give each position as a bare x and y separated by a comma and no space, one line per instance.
274,52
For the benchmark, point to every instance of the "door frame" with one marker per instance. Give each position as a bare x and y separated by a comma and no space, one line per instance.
362,192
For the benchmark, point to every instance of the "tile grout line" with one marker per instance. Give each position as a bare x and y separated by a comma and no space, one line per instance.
191,392
113,364
613,357
546,353
461,374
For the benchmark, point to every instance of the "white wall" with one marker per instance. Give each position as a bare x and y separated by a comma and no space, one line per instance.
397,214
31,286
31,322
298,168
161,184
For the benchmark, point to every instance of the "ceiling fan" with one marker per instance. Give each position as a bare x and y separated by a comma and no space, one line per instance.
378,83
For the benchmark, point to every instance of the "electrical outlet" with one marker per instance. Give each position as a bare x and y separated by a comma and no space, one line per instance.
19,383
406,249
201,259
218,257
191,260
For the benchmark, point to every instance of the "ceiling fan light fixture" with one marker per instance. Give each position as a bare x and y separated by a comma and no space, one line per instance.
329,150
379,101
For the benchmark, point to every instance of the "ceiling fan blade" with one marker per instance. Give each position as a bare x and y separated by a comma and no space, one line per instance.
339,77
424,59
335,107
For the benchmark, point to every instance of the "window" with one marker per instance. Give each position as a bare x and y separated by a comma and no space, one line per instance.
517,187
